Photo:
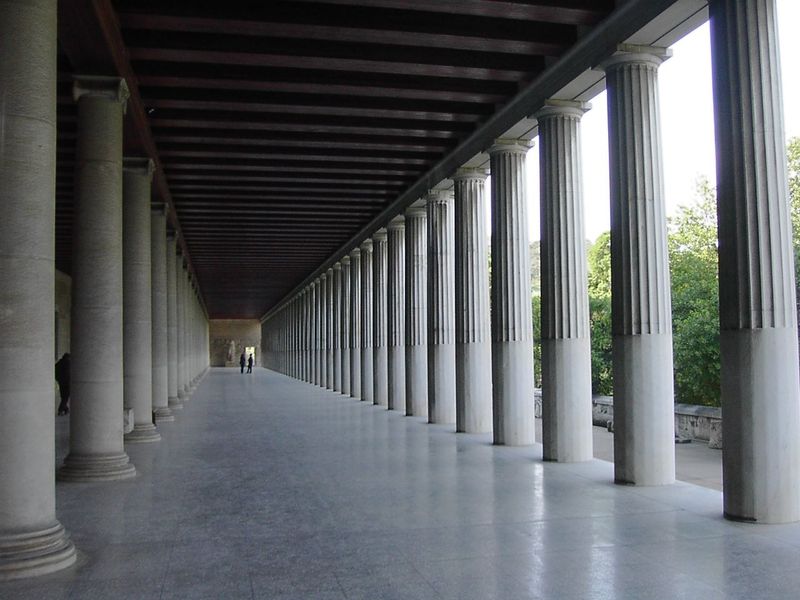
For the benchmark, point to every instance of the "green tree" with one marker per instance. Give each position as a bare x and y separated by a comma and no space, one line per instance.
793,162
599,271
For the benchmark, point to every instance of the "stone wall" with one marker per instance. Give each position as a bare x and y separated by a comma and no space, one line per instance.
62,314
242,332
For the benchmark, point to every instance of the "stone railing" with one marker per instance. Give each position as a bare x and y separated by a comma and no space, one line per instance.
692,422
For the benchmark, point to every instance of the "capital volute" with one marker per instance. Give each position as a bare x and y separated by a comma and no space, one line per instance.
112,88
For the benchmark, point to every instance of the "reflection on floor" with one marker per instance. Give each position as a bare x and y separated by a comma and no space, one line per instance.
265,487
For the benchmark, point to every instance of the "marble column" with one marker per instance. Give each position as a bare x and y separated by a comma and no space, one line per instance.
186,282
473,331
641,315
96,449
323,330
367,378
32,541
345,325
380,384
566,352
396,314
355,323
758,323
315,326
180,304
512,327
330,363
441,309
137,304
416,289
336,330
172,325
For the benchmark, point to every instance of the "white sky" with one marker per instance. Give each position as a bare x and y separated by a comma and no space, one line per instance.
687,124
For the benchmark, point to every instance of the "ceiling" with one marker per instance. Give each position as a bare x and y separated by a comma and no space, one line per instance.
283,128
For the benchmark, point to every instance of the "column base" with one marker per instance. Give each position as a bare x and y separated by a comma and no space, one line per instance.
164,414
35,553
142,434
174,403
96,467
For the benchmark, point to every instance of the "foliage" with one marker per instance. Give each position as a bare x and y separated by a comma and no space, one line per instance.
536,311
599,263
600,323
793,162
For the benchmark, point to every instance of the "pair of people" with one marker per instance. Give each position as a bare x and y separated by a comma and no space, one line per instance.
249,363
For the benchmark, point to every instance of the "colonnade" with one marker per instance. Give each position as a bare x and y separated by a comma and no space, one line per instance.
433,312
139,332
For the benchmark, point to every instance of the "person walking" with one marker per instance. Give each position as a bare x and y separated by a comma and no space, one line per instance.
63,376
250,364
242,362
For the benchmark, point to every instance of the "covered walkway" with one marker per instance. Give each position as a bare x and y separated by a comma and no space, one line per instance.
266,487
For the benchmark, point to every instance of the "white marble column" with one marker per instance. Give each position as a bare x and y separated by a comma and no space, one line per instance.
186,282
316,376
345,325
644,438
137,304
566,352
96,449
758,328
32,541
305,330
380,384
367,379
512,328
329,330
336,329
473,331
416,289
355,323
396,314
441,309
323,330
180,303
172,324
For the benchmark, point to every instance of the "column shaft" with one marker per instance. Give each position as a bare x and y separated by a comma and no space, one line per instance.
95,445
345,325
441,309
172,325
355,323
158,276
336,329
330,365
367,392
644,444
380,366
566,352
323,330
396,314
512,328
32,541
758,337
180,306
416,312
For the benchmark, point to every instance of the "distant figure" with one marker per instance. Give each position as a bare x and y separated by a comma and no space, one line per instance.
242,362
250,364
63,373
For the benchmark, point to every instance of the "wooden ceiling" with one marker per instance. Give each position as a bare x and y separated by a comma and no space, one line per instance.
282,128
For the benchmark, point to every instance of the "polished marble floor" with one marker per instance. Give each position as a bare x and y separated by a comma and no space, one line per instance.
269,488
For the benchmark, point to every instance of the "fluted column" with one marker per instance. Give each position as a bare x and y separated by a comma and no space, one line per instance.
32,541
180,303
644,445
306,323
329,330
172,324
396,314
323,330
416,289
344,330
758,328
186,282
96,449
367,379
137,313
336,329
355,323
380,355
441,309
316,371
473,331
512,328
566,352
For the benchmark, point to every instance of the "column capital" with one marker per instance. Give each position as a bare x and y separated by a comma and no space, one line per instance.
635,54
508,145
111,88
397,224
323,277
329,272
366,245
137,165
416,212
380,235
345,261
337,266
469,173
159,208
554,107
355,253
438,197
